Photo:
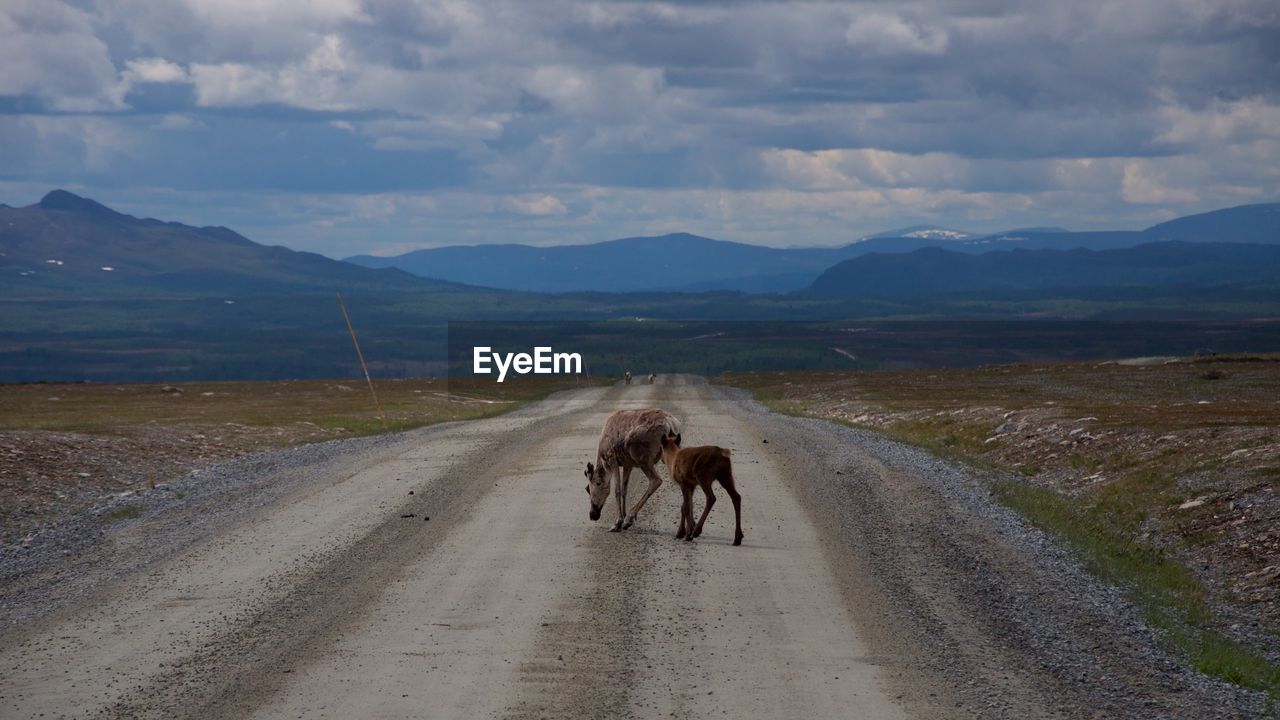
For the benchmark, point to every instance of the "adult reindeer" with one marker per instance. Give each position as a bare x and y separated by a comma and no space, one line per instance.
699,467
652,377
627,377
630,439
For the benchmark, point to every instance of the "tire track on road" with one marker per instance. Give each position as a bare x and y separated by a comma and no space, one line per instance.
232,674
583,664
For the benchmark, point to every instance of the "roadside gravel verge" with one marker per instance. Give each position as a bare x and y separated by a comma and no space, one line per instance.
1004,619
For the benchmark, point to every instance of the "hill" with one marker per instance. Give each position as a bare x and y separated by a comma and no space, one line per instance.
1245,224
934,271
67,245
1258,224
678,262
691,263
181,302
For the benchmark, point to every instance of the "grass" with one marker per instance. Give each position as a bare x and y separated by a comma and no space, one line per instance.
65,446
1120,524
343,408
1118,394
1170,598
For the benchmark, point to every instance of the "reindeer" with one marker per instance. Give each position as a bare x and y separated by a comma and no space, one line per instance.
652,377
627,377
700,466
630,439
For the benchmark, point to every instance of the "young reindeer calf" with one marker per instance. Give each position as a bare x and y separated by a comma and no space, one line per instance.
699,467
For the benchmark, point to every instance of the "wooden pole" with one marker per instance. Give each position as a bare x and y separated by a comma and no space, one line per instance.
381,415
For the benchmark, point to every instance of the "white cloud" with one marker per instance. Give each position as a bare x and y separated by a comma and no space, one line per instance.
608,93
435,133
154,70
255,13
777,122
889,34
216,31
49,49
1144,184
1220,122
145,70
321,80
233,84
842,169
176,121
540,206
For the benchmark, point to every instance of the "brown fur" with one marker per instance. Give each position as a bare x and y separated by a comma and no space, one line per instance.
630,439
700,467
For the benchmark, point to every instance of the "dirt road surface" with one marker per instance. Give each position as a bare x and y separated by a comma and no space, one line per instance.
453,572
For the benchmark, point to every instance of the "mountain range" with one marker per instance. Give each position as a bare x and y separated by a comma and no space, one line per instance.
677,262
689,263
67,244
91,293
937,271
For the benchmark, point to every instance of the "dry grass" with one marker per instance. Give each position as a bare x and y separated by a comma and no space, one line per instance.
1162,395
343,407
63,446
1160,473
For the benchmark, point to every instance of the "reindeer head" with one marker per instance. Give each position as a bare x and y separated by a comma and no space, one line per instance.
670,444
597,488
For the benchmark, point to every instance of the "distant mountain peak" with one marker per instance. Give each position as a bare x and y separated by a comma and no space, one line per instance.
925,232
63,200
119,255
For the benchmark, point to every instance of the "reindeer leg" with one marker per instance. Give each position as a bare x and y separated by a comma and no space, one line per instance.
619,495
706,510
655,482
727,483
624,481
684,513
688,513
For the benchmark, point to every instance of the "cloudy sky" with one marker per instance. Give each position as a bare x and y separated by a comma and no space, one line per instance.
345,126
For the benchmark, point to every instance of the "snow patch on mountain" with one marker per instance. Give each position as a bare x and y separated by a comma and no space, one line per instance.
937,234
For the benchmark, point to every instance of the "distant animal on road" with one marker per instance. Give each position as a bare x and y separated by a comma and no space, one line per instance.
699,467
652,377
627,377
630,439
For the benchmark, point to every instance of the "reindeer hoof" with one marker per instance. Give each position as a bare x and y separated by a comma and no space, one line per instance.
631,520
737,540
697,533
617,527
688,538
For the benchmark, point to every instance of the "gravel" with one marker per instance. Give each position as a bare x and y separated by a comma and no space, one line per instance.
1007,622
971,612
79,552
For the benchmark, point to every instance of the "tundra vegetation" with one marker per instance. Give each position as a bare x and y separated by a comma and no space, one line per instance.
1160,474
63,447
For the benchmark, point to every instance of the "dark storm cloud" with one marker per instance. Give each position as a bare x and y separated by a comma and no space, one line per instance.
583,120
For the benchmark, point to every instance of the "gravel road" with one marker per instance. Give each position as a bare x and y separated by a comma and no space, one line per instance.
453,572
